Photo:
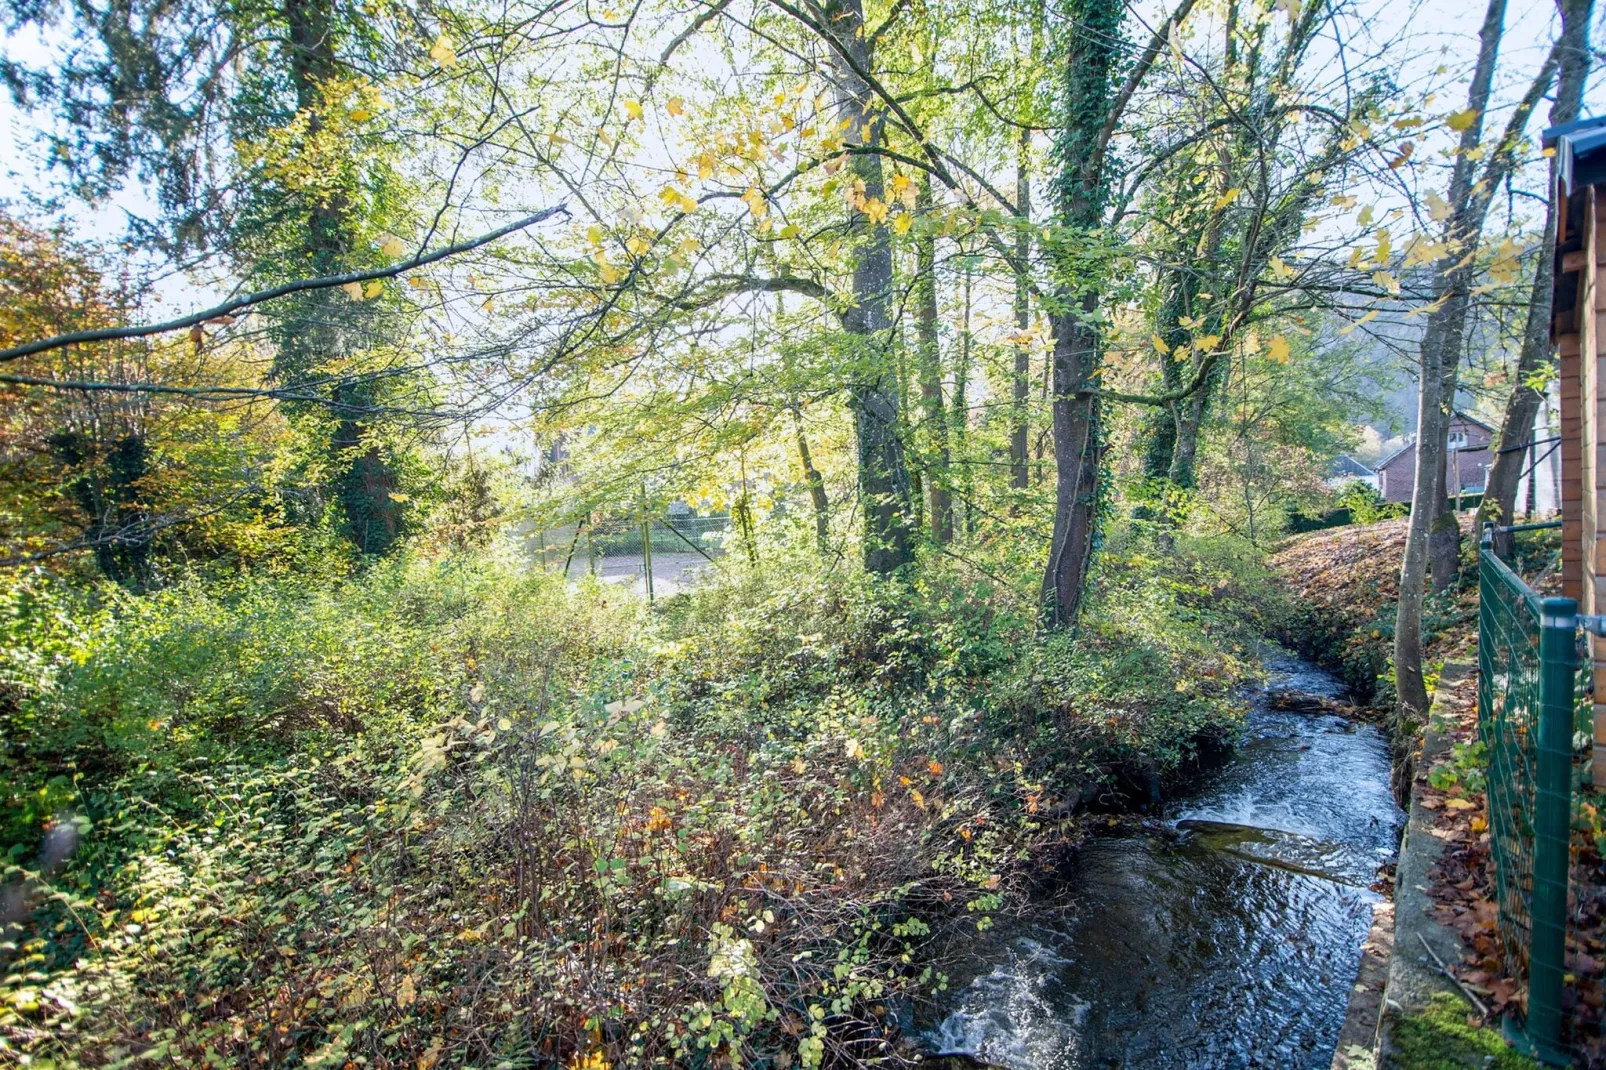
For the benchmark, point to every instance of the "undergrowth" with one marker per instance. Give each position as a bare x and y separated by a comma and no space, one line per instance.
456,811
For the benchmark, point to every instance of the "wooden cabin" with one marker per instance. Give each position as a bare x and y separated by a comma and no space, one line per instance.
1577,304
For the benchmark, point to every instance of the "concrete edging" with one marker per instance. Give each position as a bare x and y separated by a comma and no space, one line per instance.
1414,978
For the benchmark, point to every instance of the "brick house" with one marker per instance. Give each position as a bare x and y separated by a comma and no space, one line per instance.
1468,468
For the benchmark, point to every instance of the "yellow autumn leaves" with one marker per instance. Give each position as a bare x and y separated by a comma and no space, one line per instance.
1201,343
901,190
634,112
1278,350
393,247
362,291
678,200
638,242
444,51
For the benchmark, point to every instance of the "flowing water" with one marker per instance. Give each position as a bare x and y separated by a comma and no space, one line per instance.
1227,937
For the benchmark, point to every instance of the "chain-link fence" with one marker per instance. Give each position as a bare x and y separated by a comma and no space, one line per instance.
582,545
668,535
1528,683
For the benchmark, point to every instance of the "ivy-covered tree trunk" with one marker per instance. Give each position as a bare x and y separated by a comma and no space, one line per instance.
323,323
1188,414
1163,420
105,484
1093,49
883,477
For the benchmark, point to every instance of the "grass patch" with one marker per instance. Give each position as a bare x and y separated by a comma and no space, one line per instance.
1440,1038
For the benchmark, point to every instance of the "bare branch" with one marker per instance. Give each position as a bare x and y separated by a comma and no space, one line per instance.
1139,71
235,304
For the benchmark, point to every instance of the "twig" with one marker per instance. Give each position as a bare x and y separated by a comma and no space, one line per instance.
1465,991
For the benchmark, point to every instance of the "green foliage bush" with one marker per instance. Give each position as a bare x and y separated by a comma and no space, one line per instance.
1366,505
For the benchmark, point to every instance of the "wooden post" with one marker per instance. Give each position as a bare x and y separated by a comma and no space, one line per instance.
646,541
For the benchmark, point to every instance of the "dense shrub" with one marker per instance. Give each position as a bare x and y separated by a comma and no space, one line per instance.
450,811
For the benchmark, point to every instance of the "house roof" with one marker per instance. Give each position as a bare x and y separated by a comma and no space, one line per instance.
1458,414
1580,152
1396,455
1345,465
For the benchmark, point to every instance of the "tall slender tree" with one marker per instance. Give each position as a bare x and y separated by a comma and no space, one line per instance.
1477,172
1021,383
1535,359
882,471
934,414
1090,107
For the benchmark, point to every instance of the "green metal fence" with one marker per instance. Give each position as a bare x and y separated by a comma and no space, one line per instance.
1528,670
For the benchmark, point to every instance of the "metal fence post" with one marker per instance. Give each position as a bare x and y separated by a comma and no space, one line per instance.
1486,634
1552,818
646,542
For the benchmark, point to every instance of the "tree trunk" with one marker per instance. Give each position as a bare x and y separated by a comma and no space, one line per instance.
1189,413
1094,49
883,478
934,415
1439,354
1163,420
1020,474
1076,460
1500,492
1409,682
816,484
365,485
961,409
1444,535
363,481
1522,404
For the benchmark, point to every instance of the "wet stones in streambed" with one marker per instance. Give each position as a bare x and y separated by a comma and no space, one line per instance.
1290,700
1271,847
956,1060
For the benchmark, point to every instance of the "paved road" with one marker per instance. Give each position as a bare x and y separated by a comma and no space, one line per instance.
671,573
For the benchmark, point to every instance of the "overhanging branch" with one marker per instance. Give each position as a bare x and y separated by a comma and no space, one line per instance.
235,304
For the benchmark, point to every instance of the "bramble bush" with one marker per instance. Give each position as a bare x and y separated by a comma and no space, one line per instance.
456,811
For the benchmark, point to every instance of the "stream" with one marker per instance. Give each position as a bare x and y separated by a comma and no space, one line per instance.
1227,936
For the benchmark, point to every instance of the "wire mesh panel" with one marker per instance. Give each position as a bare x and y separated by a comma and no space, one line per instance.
1527,687
1508,710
